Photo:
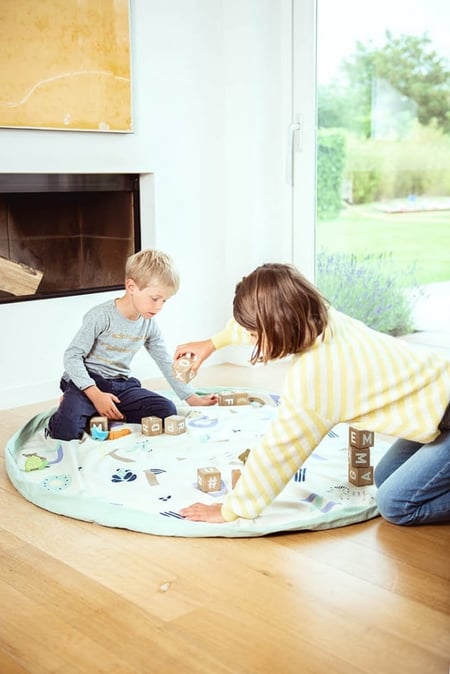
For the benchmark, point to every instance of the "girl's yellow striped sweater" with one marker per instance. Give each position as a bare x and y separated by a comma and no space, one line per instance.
351,374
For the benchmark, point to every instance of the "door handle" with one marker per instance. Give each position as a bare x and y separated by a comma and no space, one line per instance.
293,143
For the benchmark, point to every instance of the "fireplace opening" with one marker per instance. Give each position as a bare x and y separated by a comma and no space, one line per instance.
66,234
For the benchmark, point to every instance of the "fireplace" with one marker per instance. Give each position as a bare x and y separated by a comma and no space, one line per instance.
66,234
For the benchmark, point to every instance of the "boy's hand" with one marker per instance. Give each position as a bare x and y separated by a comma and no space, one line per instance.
201,401
200,351
104,403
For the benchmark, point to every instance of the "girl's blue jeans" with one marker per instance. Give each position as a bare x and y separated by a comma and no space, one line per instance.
413,482
72,417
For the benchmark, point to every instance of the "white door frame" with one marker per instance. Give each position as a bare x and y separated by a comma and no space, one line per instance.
303,135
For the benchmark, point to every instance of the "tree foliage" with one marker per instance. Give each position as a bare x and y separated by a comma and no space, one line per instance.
410,66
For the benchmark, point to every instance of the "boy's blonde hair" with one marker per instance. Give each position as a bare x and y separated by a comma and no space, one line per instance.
151,266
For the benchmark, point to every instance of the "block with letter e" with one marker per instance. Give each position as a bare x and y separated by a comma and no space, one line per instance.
360,439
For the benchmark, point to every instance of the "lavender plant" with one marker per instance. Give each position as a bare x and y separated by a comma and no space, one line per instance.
368,287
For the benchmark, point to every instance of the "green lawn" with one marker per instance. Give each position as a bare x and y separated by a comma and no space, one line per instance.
421,239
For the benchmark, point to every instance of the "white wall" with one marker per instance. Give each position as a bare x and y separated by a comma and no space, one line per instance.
210,100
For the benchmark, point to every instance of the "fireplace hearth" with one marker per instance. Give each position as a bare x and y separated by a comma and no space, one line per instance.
66,234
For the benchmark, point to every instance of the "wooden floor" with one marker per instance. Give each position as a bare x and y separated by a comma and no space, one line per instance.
80,598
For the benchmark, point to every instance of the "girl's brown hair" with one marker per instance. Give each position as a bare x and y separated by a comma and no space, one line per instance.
282,308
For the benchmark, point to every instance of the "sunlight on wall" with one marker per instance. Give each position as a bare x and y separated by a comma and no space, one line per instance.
65,65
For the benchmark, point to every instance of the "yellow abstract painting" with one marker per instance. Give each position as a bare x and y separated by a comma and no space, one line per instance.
65,64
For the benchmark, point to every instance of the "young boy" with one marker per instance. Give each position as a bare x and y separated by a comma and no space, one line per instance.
96,380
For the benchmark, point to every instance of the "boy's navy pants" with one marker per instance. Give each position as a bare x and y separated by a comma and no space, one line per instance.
72,417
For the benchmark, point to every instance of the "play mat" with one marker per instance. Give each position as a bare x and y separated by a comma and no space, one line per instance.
140,482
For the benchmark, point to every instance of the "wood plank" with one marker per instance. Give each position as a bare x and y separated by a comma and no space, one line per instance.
17,278
417,577
76,597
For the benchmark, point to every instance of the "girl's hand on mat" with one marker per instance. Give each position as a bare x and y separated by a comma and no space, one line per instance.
201,401
197,351
200,512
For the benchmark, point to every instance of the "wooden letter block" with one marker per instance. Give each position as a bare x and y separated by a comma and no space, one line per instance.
235,475
182,369
358,458
233,398
241,398
151,426
209,479
361,477
175,424
360,439
227,399
17,278
101,423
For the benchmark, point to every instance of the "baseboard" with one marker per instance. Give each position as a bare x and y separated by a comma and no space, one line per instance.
29,394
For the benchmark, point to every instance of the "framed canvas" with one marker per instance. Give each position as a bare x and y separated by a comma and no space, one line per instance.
66,65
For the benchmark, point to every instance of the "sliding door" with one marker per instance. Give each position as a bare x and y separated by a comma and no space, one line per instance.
370,155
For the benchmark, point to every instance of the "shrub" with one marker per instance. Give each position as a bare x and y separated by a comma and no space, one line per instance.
383,169
365,186
368,288
330,172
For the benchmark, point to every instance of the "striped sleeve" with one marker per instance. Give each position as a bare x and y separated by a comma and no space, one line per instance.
291,438
233,333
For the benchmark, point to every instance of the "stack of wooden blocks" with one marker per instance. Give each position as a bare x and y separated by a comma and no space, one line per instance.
360,472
